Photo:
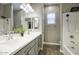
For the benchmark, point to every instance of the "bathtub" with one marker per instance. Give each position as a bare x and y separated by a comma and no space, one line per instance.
67,50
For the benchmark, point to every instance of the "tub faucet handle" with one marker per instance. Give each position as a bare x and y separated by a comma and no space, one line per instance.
72,36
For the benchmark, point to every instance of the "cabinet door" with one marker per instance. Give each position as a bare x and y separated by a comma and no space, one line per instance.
36,48
39,42
32,51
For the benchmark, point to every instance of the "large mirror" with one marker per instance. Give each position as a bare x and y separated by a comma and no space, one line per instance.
15,19
32,22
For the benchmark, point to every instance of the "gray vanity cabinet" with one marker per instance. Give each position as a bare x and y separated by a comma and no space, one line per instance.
32,48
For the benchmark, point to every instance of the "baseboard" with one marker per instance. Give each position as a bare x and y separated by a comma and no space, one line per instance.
51,43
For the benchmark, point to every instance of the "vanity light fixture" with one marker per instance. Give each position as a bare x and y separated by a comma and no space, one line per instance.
27,8
23,6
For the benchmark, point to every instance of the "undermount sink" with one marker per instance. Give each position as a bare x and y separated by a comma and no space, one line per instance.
6,38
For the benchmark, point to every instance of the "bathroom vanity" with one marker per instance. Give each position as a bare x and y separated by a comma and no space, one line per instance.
32,48
29,44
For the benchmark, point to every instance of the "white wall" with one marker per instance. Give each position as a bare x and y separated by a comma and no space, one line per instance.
1,10
8,12
17,18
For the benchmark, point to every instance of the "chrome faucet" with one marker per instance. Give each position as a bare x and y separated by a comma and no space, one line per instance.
10,35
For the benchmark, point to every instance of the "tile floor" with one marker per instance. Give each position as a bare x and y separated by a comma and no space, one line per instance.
50,50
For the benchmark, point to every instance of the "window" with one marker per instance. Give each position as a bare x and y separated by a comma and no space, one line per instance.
51,18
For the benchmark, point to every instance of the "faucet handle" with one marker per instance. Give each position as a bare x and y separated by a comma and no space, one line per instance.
72,36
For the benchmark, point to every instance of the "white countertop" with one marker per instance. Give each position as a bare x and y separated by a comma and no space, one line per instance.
14,45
